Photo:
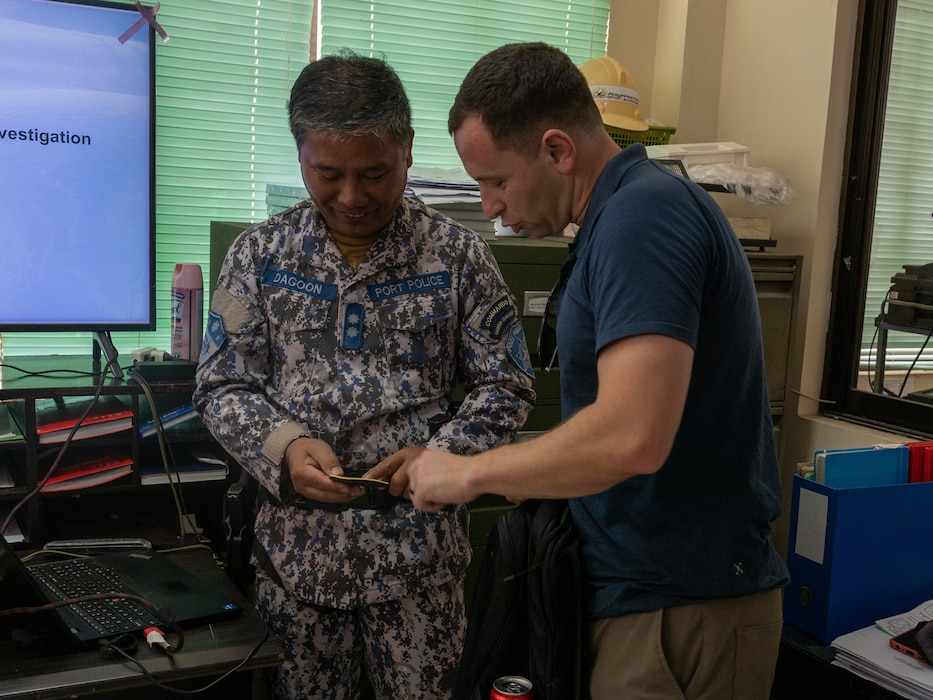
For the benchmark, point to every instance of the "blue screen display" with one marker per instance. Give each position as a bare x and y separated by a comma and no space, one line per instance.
76,167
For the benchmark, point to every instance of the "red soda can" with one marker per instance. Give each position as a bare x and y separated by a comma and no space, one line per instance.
511,687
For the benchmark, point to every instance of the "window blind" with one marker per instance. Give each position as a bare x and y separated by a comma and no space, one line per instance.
222,85
903,227
433,43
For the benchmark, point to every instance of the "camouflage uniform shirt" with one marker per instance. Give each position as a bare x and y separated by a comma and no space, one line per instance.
299,344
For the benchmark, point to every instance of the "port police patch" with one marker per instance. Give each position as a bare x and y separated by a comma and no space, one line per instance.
409,285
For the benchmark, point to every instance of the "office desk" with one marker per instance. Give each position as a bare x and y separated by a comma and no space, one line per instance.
51,668
805,672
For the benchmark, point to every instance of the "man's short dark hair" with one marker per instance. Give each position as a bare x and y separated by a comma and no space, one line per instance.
521,90
350,94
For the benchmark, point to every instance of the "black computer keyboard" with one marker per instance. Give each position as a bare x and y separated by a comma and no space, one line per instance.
81,577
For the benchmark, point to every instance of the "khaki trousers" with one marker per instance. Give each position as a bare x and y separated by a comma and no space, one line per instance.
714,650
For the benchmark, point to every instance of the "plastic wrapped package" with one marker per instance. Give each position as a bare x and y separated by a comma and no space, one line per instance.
756,185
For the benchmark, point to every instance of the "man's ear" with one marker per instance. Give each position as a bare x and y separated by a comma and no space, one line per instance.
558,147
411,141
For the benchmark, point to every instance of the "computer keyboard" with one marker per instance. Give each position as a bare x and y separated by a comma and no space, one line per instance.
81,577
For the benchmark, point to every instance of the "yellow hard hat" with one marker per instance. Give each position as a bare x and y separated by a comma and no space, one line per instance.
615,93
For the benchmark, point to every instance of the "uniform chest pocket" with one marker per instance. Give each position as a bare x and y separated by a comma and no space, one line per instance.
303,346
419,342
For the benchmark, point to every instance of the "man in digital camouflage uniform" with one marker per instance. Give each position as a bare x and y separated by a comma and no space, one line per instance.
337,332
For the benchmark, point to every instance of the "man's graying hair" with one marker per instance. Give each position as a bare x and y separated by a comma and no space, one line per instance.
349,94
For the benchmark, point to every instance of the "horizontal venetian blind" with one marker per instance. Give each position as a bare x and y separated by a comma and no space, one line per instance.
903,227
221,91
433,43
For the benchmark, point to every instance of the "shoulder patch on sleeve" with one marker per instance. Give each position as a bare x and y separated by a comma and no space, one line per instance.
214,336
518,349
499,318
226,315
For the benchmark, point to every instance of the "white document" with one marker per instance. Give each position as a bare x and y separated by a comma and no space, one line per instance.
896,624
867,652
812,513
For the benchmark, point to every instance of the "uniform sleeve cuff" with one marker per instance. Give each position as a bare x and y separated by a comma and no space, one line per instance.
275,445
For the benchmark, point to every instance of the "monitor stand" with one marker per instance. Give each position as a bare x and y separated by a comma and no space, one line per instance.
105,345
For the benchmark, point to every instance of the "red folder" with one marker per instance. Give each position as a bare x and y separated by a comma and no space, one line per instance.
56,419
89,472
920,467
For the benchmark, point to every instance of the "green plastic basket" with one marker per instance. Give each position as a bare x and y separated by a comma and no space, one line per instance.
654,136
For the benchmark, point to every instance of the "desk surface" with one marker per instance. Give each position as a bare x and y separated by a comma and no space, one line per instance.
49,667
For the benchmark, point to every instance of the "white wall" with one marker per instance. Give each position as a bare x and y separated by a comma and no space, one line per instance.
773,76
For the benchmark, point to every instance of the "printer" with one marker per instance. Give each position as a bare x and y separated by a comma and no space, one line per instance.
910,299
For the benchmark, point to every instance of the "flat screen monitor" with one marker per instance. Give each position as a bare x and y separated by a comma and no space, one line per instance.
77,173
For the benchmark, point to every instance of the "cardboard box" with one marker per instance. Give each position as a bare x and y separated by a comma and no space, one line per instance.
701,153
749,227
856,555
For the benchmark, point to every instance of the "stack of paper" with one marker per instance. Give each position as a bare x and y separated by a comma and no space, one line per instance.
13,533
6,477
867,653
442,185
191,466
9,430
